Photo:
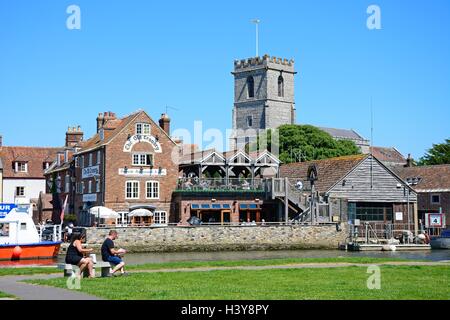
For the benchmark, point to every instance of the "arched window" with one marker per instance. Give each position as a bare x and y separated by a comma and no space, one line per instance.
280,86
251,87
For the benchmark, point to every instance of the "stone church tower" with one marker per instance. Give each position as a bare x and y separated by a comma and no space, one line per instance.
263,95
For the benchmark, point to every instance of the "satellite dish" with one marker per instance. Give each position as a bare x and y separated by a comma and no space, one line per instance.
299,185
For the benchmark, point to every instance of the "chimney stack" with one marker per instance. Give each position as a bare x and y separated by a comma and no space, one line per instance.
103,118
409,161
164,123
74,136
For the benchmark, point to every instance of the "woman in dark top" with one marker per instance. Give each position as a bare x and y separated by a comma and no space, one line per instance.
75,254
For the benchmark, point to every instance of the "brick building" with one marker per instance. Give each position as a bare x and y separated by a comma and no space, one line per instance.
126,166
432,184
22,172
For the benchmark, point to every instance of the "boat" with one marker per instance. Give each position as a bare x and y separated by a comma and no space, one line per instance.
20,238
441,242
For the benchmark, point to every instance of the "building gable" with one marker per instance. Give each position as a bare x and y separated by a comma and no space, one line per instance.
371,181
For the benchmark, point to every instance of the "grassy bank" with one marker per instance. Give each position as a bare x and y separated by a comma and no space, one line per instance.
262,262
27,271
397,282
5,295
197,264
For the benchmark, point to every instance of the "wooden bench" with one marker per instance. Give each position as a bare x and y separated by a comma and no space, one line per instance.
69,269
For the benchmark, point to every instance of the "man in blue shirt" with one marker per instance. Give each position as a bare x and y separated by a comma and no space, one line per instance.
111,255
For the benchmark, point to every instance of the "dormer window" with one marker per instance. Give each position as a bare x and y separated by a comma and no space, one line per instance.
46,165
21,167
143,129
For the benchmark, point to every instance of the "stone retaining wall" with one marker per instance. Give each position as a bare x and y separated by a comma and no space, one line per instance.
173,239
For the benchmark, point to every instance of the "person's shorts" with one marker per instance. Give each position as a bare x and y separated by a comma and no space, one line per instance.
114,260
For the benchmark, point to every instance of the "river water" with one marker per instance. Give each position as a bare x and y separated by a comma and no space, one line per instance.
141,258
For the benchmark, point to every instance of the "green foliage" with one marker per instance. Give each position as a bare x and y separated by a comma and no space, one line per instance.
305,143
438,154
70,218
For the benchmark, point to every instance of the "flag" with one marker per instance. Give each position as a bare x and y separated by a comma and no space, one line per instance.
64,208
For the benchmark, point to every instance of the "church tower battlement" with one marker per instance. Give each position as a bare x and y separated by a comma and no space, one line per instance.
263,93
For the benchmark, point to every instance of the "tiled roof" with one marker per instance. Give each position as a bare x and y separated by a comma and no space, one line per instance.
34,156
45,201
430,178
342,133
109,133
330,171
112,128
388,155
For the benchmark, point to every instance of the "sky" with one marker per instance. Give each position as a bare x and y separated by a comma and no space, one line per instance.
131,55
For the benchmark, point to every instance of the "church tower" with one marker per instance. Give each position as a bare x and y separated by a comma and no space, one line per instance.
263,93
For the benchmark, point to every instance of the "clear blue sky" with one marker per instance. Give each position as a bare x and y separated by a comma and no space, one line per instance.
149,54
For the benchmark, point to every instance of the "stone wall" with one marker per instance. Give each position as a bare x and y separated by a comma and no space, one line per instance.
173,239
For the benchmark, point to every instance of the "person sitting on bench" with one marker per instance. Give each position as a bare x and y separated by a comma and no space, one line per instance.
111,255
75,254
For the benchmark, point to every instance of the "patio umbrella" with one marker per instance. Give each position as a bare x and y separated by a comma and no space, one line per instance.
140,213
103,212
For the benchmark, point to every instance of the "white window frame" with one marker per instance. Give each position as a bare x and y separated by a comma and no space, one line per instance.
160,217
99,157
82,187
149,186
132,189
22,195
98,186
19,164
91,159
143,129
89,186
433,195
142,159
82,162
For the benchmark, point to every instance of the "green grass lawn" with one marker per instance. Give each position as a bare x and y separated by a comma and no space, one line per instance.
262,262
196,264
5,295
28,271
397,282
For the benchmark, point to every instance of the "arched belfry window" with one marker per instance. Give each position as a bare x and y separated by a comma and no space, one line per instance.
280,86
251,87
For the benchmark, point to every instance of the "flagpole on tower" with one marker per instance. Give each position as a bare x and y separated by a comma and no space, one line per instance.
256,22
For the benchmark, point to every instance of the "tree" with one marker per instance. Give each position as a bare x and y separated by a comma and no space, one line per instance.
299,143
438,154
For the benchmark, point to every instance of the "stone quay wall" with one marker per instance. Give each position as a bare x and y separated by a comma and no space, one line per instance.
221,238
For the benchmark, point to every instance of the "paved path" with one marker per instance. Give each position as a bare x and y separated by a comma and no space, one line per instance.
25,291
13,285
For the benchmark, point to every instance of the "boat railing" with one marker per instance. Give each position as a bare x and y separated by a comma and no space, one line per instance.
50,232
